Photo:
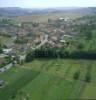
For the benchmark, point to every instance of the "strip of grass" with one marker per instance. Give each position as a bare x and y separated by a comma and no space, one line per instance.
38,87
59,91
11,90
89,92
76,90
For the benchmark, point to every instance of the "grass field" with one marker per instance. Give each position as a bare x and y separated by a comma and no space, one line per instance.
5,40
49,80
46,16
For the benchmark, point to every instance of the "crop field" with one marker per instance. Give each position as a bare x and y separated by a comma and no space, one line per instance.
44,17
49,79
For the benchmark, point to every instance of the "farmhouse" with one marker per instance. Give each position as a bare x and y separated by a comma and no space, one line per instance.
7,51
65,19
62,41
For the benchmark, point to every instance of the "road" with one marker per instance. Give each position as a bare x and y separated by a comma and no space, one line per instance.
42,43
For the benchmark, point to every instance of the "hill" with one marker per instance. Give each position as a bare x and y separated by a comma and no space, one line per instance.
16,11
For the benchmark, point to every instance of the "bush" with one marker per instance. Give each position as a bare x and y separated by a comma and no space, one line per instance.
76,75
87,78
20,40
29,57
1,51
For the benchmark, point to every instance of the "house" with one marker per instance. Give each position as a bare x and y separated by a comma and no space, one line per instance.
22,57
62,41
65,19
7,51
61,18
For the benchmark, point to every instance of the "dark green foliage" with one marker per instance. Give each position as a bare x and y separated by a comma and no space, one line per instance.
7,60
34,24
1,51
80,46
29,57
2,65
59,53
88,78
76,75
88,74
5,35
20,40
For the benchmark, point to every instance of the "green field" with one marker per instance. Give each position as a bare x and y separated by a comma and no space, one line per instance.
5,40
44,17
49,80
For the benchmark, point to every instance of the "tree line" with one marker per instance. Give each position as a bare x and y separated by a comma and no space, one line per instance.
53,53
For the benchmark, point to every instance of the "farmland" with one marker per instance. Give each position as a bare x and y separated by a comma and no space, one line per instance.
51,78
52,56
44,17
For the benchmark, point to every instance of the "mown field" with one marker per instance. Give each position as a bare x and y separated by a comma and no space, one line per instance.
44,17
49,80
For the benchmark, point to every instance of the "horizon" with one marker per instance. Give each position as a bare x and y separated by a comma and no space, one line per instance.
47,3
46,7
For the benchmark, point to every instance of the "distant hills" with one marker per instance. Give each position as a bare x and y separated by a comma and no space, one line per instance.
16,11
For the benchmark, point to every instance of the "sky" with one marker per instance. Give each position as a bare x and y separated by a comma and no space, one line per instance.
47,3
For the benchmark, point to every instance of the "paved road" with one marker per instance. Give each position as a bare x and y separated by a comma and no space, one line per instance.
42,43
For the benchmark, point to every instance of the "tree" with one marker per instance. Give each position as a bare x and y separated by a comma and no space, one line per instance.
87,78
29,57
80,46
35,24
1,51
76,75
88,35
20,40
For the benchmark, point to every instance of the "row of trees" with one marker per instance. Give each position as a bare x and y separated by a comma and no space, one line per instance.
1,50
59,53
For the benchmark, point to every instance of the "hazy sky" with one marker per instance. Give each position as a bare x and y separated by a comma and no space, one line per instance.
47,3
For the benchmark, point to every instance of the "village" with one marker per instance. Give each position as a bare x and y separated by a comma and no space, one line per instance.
26,36
30,36
47,50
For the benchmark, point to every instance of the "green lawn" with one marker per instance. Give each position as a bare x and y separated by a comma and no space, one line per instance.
49,79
